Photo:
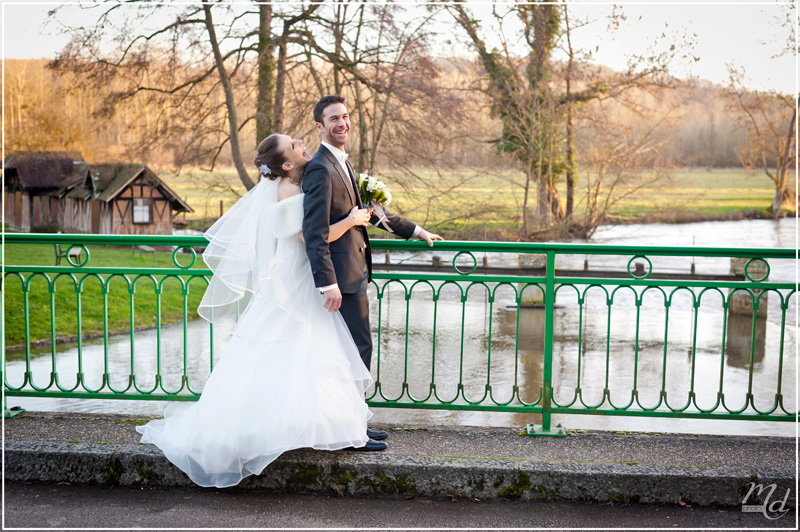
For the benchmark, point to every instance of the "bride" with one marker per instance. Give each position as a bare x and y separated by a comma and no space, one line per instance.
290,376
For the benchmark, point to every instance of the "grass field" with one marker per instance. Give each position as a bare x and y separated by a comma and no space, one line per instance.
715,193
459,201
92,314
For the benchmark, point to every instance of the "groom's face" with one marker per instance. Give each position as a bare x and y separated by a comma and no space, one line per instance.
335,126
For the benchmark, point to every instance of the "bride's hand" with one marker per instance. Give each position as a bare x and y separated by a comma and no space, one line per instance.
359,216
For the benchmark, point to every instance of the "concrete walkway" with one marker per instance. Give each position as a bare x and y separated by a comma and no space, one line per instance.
477,463
62,506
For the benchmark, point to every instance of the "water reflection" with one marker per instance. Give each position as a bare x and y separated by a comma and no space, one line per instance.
739,341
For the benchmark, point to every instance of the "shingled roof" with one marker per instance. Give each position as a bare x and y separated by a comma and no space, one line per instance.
109,179
46,169
65,173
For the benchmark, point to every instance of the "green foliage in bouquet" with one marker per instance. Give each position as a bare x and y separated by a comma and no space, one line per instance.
373,190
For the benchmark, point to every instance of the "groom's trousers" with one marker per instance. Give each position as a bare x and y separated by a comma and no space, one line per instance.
355,311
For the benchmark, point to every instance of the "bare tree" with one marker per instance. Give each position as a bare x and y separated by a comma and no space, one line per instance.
538,117
648,70
193,63
381,62
522,98
764,115
265,102
770,119
621,159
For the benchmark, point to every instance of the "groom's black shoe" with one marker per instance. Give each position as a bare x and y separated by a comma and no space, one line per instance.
377,435
371,445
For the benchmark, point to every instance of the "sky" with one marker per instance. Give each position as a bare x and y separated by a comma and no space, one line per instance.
745,34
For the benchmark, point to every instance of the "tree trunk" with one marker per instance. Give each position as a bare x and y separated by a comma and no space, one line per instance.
543,202
338,35
525,227
380,117
778,198
570,153
363,130
541,26
361,104
570,140
233,122
556,208
280,86
785,161
266,74
281,74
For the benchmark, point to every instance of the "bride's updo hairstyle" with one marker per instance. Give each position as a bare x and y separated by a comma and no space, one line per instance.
269,158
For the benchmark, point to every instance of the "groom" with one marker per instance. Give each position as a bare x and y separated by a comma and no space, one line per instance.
342,268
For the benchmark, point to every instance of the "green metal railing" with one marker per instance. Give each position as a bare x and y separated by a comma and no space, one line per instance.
443,370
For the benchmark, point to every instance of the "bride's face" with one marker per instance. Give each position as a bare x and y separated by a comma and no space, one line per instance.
294,152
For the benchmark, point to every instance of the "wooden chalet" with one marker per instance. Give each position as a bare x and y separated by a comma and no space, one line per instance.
59,191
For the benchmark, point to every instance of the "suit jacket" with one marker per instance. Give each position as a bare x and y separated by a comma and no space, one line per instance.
329,197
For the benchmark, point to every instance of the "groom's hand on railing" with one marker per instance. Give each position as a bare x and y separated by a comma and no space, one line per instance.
428,237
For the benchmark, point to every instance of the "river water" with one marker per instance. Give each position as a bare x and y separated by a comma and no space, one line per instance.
501,366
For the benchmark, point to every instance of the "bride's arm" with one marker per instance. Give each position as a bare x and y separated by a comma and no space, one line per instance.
356,217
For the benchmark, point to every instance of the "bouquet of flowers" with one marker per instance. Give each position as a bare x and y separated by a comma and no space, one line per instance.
374,195
373,190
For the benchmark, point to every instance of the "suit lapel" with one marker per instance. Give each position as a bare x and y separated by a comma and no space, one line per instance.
338,167
355,183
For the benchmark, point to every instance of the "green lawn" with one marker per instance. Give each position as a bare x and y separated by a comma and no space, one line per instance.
455,200
66,288
713,193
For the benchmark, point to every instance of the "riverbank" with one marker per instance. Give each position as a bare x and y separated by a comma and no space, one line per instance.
568,232
66,340
433,461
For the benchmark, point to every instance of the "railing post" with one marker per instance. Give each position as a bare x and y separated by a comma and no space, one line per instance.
11,412
549,306
545,429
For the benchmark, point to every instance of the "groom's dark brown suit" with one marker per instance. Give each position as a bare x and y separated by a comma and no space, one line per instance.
330,195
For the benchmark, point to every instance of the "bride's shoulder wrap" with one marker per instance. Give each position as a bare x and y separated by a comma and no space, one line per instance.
289,216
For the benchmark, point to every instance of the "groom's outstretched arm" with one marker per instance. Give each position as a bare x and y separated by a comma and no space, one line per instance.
403,227
316,219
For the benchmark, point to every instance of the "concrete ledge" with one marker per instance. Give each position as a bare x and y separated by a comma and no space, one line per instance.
354,474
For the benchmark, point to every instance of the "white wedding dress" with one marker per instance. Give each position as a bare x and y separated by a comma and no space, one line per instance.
290,375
